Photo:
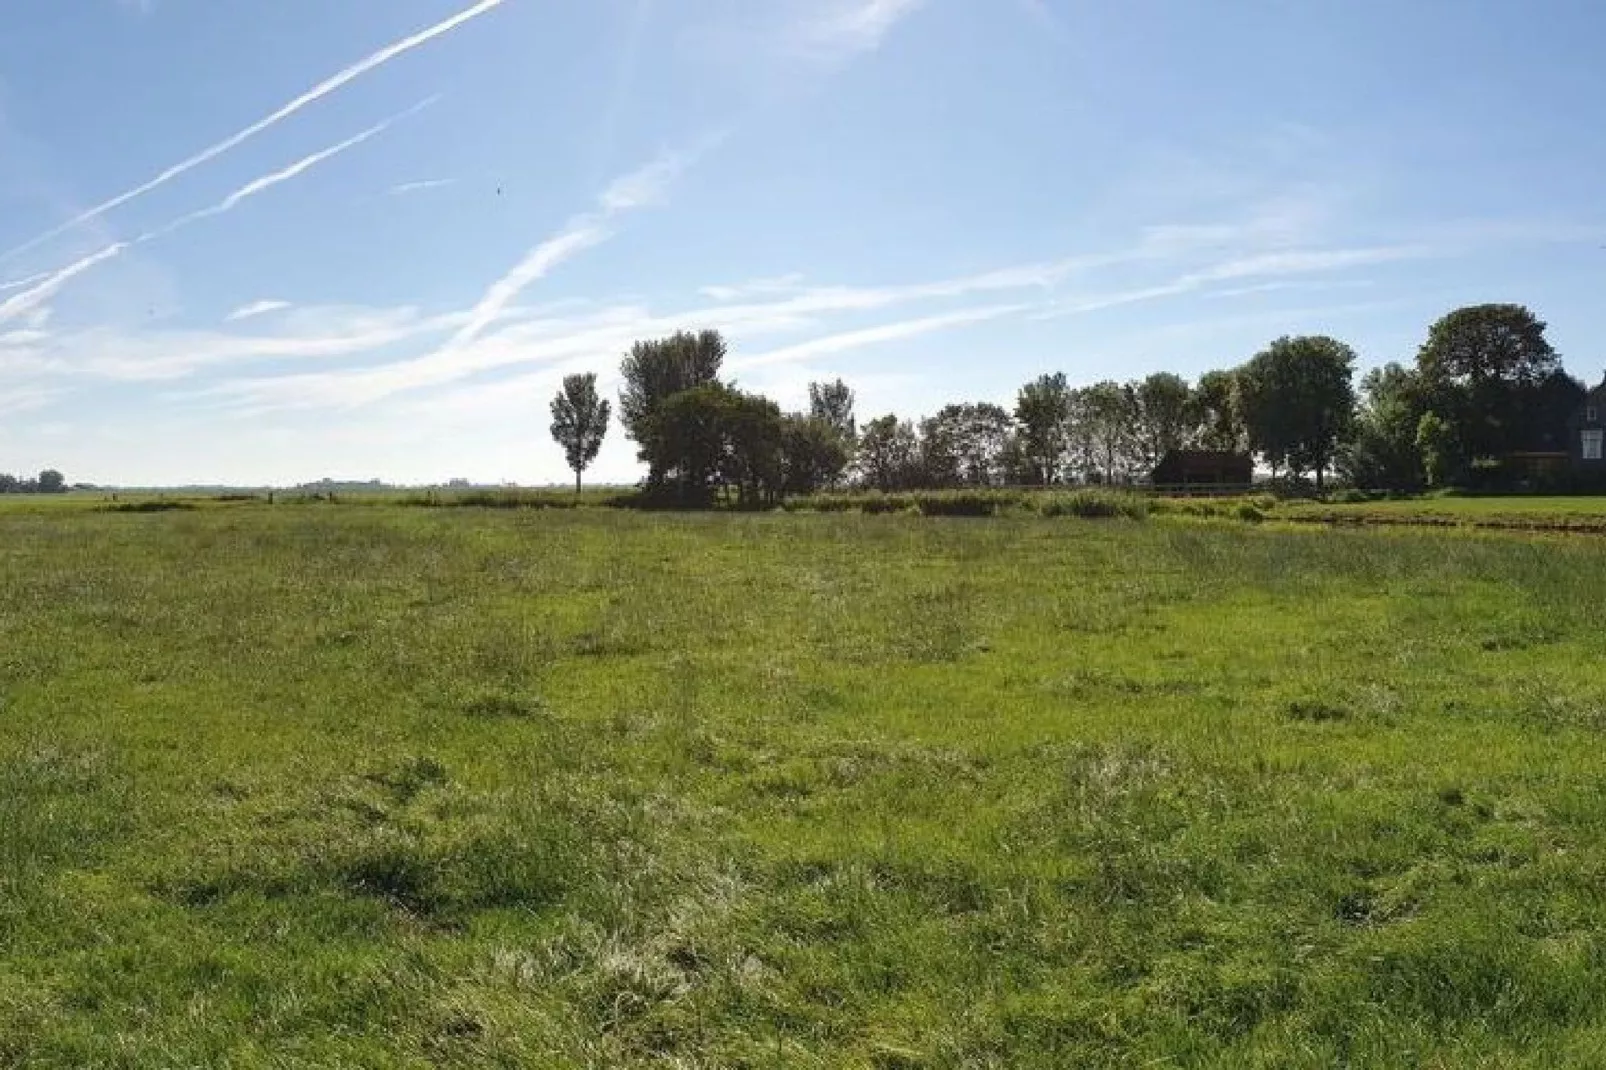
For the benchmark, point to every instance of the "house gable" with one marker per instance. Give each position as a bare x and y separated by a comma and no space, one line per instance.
1586,431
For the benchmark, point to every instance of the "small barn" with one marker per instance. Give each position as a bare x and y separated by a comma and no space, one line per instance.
1193,468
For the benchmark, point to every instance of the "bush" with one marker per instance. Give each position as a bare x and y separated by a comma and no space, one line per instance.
966,502
865,502
512,498
1093,504
149,507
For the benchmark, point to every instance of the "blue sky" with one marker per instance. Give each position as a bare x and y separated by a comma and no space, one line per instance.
269,242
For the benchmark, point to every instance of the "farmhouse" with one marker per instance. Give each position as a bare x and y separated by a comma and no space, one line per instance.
1189,468
1578,446
1586,431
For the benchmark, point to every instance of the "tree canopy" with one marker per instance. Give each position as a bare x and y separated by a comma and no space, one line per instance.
1298,401
579,422
655,371
832,404
1485,387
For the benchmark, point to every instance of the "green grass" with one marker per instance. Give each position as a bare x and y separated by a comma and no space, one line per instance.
1498,511
1491,505
385,786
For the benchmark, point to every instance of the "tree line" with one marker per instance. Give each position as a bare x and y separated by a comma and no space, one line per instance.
49,481
1485,384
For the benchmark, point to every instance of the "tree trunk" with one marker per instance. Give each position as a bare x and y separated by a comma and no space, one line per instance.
577,472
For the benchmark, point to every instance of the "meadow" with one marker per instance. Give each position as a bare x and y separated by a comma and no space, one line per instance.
319,785
1560,513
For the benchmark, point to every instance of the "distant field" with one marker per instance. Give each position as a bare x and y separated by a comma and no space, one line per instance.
373,787
1566,512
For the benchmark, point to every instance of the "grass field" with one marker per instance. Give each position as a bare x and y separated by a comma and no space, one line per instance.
370,787
1492,505
1577,514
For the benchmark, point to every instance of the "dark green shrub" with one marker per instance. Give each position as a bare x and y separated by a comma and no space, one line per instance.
150,507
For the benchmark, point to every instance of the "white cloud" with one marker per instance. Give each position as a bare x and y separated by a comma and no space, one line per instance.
639,189
754,288
23,399
1274,266
256,308
580,234
850,26
403,188
311,96
645,187
886,332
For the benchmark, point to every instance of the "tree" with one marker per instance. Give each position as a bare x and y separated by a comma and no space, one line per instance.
685,442
1482,367
1298,402
579,422
51,482
712,439
1488,343
1103,430
813,454
888,456
1220,419
964,445
753,461
832,403
940,465
1043,413
1435,440
1166,418
1383,451
655,371
9,483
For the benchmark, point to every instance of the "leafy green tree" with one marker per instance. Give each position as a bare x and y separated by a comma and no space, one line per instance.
1484,368
1383,452
579,422
1488,343
713,439
1435,440
1298,402
753,462
940,449
1220,420
888,457
832,403
654,371
1166,416
1104,431
813,454
685,438
965,445
1043,414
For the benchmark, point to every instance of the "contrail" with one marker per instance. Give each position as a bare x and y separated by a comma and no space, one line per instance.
266,182
49,283
27,280
28,300
638,189
311,96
